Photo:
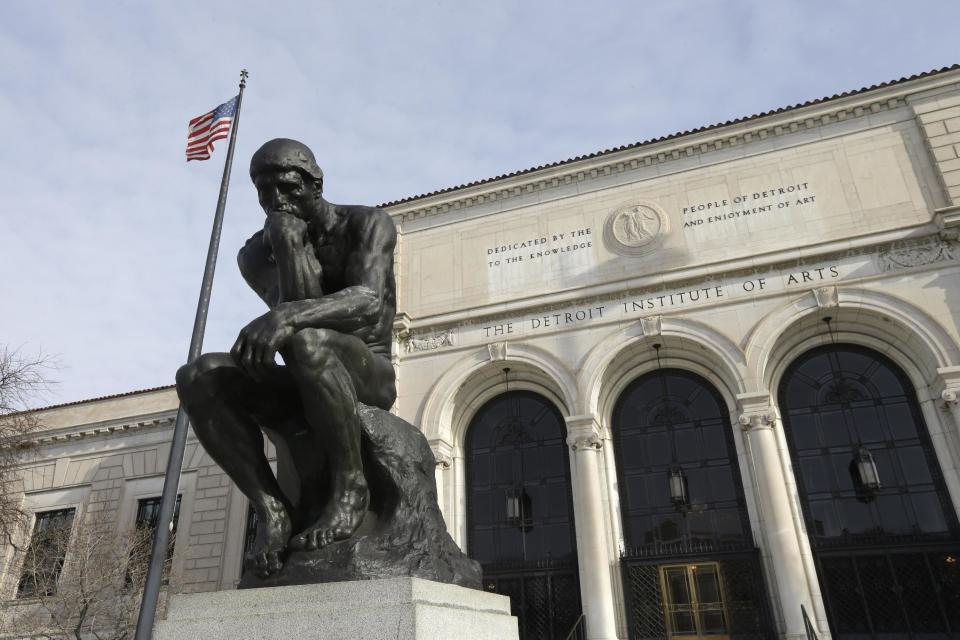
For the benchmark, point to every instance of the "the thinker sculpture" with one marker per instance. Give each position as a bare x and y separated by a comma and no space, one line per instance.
354,495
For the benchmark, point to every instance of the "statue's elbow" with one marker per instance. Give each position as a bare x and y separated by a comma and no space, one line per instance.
374,306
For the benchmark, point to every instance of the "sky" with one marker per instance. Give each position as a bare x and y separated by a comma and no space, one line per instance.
105,225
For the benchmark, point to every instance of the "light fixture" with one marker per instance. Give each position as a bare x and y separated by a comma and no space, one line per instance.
677,480
827,320
863,468
519,508
506,379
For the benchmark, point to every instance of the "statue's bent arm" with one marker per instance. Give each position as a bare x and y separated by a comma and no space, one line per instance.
259,269
369,265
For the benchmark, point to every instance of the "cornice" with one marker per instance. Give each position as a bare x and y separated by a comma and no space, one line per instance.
42,437
505,191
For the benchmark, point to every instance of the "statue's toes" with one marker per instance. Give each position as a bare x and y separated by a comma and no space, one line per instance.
274,562
299,542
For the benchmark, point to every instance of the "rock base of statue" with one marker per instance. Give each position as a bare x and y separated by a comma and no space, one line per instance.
403,534
398,608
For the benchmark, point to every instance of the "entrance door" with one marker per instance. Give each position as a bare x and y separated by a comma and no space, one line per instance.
693,601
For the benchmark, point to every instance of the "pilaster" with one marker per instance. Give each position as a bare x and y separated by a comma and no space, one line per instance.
787,572
945,436
596,586
445,478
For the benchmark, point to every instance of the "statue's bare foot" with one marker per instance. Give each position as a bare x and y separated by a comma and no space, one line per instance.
341,517
273,533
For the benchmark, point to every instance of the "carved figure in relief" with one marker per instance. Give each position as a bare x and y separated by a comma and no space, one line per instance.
635,222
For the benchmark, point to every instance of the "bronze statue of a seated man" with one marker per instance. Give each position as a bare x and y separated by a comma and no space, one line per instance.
326,272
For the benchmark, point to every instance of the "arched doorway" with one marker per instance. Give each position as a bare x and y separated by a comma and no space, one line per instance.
520,512
880,522
690,567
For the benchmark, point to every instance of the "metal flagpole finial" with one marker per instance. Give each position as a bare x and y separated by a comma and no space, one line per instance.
244,74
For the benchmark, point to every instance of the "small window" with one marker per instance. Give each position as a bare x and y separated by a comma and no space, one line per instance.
45,555
148,516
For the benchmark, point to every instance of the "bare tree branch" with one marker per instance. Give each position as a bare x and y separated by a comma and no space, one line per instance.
85,580
23,379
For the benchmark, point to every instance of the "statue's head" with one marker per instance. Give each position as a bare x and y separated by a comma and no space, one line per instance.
284,153
287,177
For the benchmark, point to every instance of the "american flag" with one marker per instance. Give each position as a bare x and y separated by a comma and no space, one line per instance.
211,126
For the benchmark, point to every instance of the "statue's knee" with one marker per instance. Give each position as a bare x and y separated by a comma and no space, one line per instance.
192,378
186,375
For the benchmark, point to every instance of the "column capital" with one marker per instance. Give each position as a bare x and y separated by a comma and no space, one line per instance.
756,411
948,381
950,396
582,441
584,432
442,452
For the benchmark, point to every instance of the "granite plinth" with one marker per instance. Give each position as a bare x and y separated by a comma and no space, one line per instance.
395,609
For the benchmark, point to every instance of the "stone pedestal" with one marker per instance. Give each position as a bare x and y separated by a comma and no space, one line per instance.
396,608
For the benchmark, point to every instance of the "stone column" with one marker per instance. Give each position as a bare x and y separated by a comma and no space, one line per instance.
949,379
593,555
780,544
443,454
944,436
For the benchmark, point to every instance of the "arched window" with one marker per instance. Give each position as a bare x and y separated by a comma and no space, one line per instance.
674,424
520,512
877,512
690,568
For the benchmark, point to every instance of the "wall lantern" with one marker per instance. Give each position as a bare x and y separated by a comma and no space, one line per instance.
519,508
678,486
863,468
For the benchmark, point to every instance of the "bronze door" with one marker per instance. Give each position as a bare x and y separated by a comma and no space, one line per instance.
693,601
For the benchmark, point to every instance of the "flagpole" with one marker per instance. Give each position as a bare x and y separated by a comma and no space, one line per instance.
158,557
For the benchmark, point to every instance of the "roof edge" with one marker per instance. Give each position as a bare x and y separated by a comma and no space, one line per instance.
672,136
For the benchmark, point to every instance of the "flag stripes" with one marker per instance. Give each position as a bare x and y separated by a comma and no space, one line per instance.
204,130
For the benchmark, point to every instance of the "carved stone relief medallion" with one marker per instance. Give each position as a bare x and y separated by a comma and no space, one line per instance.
635,229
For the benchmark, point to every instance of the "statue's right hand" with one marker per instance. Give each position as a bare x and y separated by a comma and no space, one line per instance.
258,343
284,230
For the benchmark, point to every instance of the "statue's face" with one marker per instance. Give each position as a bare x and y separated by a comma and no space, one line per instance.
286,191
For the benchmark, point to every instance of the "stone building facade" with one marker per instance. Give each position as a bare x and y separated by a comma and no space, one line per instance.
702,386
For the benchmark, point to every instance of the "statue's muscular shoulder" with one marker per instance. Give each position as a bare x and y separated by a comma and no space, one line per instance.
369,228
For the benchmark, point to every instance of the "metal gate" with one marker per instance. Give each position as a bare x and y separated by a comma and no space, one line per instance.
545,597
741,576
893,594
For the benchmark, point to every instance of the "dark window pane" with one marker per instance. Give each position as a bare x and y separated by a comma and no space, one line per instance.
688,430
45,554
722,486
855,516
518,485
872,405
913,464
826,522
715,441
868,425
928,512
688,445
893,515
815,476
833,428
804,429
148,516
900,421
